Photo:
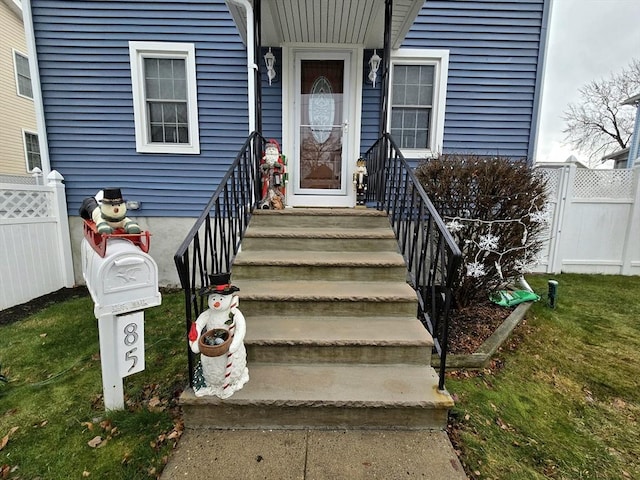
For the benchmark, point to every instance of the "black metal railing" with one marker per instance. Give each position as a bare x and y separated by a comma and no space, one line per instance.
433,258
213,241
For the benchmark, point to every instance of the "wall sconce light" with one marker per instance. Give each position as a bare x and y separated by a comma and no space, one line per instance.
270,62
374,64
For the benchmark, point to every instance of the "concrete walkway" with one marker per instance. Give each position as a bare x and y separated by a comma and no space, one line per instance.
313,455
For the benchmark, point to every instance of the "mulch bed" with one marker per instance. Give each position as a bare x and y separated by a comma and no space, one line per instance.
470,327
19,312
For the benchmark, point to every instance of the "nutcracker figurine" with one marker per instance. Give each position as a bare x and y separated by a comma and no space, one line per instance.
274,180
360,181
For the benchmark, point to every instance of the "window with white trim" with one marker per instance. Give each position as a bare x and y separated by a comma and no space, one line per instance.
32,151
417,100
163,79
23,75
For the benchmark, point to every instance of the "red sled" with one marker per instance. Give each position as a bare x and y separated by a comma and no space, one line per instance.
98,241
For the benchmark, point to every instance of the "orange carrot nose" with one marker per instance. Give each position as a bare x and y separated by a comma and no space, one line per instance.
115,210
216,304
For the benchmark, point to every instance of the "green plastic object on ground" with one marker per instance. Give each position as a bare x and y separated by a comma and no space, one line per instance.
511,298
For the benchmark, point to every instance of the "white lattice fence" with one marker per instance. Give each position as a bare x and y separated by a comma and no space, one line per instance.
35,253
25,204
605,184
596,221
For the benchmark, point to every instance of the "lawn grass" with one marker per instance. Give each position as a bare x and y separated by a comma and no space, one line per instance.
564,401
52,407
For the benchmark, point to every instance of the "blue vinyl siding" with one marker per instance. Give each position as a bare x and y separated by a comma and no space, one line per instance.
493,59
272,99
83,55
370,128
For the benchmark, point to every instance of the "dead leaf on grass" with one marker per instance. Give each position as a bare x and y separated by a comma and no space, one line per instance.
85,473
42,335
155,404
106,425
619,404
5,439
502,424
89,425
95,442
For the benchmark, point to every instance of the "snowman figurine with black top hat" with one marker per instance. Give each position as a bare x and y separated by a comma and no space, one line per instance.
108,210
220,375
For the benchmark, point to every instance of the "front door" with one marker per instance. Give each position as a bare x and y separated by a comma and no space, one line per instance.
323,144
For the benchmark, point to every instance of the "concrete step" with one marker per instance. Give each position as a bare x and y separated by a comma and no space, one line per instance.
378,340
320,218
277,396
299,265
325,298
328,239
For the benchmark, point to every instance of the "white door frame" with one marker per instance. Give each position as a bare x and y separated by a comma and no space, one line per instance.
352,111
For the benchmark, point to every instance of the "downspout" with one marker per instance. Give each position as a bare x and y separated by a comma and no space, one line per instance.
251,64
30,38
542,64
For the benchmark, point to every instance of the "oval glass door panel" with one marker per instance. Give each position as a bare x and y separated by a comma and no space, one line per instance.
322,109
321,130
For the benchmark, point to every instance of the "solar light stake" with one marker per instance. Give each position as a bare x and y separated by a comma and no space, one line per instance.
552,297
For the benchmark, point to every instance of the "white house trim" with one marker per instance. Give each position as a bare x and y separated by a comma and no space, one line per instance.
36,87
354,113
186,51
440,59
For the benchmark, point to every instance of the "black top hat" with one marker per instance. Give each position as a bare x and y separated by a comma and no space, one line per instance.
219,283
112,196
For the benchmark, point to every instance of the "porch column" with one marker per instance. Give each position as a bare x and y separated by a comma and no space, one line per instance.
257,7
386,59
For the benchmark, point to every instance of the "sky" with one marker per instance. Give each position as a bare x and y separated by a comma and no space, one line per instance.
588,40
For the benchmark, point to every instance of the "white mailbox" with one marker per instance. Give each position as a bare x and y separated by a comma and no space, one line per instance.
124,280
122,283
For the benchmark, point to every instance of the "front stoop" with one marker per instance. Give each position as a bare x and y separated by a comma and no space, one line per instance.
332,336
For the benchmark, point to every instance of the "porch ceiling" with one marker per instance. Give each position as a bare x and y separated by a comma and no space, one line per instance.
359,22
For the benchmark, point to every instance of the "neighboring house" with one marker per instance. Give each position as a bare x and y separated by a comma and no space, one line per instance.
158,97
634,142
629,156
19,150
570,160
620,158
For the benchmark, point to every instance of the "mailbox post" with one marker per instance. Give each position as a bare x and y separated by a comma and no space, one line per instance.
122,284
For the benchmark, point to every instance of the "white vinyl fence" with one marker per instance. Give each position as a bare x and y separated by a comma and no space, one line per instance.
595,225
35,251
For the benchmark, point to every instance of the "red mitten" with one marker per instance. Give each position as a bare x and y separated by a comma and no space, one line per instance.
193,332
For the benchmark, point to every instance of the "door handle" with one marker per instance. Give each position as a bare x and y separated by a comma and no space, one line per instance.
345,126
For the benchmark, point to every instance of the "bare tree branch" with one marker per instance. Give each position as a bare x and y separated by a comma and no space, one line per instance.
598,124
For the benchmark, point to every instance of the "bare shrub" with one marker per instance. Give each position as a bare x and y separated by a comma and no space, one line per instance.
496,210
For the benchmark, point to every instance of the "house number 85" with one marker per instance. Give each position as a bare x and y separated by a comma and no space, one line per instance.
130,338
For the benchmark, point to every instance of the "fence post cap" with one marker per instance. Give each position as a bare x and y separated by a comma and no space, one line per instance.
54,175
